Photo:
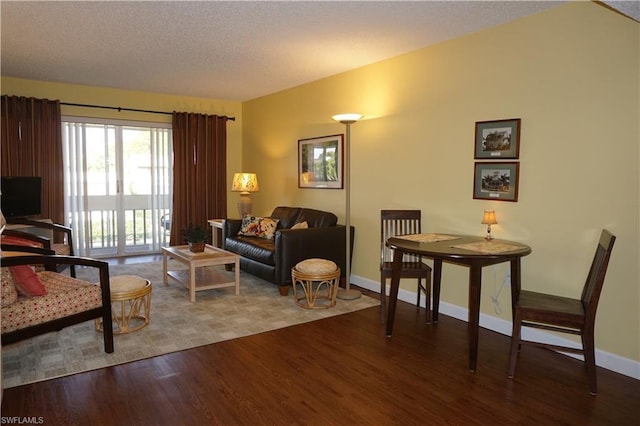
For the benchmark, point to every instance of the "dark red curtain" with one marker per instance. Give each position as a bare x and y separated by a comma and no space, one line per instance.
31,145
199,171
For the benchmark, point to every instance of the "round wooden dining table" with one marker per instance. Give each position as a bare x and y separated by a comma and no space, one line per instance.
465,250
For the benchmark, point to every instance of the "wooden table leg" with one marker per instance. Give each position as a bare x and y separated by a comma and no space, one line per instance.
192,282
515,281
393,291
237,275
437,279
165,281
475,283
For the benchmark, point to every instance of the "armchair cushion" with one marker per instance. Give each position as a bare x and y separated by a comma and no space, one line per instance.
18,241
9,293
65,296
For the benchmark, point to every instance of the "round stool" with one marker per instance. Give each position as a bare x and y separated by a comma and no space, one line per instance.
134,295
319,280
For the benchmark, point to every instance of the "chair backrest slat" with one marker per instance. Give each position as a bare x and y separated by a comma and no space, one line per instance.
398,222
595,279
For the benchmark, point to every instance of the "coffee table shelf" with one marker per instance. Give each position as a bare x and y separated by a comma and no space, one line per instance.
198,276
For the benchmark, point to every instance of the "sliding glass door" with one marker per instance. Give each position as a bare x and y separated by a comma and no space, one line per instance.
117,185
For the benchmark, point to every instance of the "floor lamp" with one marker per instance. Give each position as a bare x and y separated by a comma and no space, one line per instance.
348,119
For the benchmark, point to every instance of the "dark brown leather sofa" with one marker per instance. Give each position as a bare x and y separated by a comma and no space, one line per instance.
272,259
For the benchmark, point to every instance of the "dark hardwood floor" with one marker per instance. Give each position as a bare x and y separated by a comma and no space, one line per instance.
337,371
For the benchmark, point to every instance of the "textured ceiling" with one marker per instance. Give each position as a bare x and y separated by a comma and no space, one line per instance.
235,50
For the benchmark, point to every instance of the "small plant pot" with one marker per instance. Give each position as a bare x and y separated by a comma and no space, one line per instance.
196,247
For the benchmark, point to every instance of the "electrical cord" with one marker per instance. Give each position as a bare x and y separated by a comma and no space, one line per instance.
496,297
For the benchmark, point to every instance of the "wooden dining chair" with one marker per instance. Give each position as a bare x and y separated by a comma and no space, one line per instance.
565,315
403,222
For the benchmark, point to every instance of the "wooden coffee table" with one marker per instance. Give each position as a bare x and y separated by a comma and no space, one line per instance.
198,277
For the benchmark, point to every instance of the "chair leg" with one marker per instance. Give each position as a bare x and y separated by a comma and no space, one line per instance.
107,331
383,298
515,342
588,346
427,302
418,293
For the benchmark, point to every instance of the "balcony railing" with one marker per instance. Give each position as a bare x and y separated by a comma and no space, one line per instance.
145,230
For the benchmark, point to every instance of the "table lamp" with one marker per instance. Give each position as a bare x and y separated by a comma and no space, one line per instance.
244,183
489,219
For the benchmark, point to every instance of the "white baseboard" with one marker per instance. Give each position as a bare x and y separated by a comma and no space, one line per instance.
610,361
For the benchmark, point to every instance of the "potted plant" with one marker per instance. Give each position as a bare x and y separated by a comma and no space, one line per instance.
196,237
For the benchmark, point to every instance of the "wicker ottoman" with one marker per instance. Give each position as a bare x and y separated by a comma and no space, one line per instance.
315,283
134,296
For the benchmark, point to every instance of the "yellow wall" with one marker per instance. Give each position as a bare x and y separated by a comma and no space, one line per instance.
571,74
78,94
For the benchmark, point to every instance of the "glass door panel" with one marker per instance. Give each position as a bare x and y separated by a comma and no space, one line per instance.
102,189
120,186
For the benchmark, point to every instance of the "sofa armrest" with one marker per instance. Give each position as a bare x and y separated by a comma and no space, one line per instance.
230,228
295,245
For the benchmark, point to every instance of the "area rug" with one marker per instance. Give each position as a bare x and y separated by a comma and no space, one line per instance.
176,324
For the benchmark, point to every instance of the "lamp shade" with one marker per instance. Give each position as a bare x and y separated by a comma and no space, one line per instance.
245,183
489,218
347,118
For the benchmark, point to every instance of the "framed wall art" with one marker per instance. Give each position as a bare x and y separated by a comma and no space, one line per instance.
498,139
320,162
496,181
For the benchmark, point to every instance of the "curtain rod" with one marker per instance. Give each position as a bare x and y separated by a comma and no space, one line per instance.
127,109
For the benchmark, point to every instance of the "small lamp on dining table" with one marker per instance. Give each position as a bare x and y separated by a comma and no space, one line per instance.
244,183
489,219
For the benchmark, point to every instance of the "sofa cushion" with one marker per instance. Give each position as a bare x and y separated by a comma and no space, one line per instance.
256,226
26,281
258,249
65,296
287,216
317,218
9,293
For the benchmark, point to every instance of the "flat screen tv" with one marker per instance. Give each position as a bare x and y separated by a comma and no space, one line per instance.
21,196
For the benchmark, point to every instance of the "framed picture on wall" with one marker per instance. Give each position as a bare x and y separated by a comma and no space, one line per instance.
496,181
499,139
320,162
